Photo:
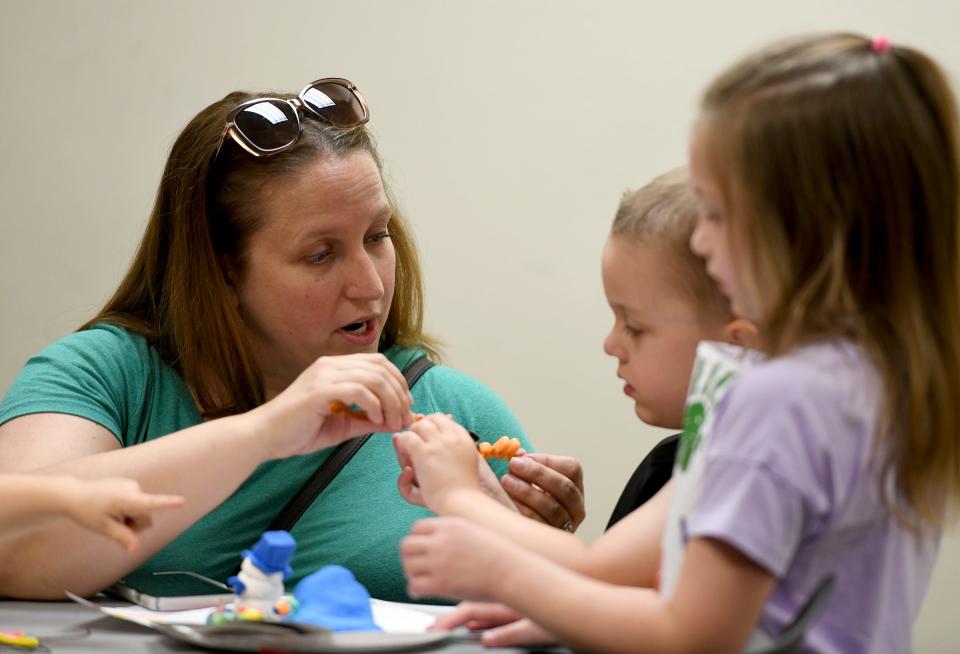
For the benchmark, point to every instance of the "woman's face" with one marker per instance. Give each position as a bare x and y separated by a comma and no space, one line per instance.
318,275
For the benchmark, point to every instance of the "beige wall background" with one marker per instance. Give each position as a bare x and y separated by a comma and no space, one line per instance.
509,130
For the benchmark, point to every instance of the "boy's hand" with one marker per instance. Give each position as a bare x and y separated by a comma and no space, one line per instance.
443,459
453,558
410,489
115,507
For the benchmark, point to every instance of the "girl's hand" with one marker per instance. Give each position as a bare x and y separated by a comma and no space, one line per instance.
114,507
300,421
453,558
503,626
443,459
522,632
475,616
548,488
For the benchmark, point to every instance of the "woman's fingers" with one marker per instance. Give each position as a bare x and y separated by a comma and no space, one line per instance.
567,466
533,502
373,391
387,400
547,487
358,391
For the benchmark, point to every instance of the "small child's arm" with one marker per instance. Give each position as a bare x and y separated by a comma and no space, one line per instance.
410,491
443,456
444,462
719,596
114,507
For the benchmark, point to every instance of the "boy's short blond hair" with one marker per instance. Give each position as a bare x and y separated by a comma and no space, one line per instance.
663,213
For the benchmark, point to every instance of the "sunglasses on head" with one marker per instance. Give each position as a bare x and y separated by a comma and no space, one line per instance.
268,126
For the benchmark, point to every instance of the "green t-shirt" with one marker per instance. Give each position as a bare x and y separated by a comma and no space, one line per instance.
115,378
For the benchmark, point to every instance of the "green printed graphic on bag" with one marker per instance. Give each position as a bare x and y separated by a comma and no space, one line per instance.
705,386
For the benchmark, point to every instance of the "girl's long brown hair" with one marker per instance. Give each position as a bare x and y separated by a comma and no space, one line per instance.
176,292
842,159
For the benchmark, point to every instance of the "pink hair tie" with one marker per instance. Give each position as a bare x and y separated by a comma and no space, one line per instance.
880,43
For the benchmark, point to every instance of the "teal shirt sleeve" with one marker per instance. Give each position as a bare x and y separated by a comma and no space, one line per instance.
110,376
94,374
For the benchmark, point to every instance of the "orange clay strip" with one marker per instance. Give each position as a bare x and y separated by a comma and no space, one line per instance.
504,448
339,407
358,414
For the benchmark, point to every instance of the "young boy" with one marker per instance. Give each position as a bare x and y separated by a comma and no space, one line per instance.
664,304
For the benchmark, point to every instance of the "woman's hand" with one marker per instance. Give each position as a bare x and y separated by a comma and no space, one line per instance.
548,488
300,421
442,458
453,558
114,507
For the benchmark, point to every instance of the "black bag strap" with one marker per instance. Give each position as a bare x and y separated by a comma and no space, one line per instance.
334,463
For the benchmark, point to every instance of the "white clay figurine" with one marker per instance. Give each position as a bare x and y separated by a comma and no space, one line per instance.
259,585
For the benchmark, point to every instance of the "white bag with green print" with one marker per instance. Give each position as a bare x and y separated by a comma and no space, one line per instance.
715,368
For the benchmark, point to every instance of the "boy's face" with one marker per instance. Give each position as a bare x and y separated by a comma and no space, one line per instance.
655,330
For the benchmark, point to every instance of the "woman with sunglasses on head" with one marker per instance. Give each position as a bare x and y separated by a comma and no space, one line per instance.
275,280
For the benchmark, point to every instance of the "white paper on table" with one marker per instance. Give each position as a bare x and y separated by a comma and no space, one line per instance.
401,618
392,617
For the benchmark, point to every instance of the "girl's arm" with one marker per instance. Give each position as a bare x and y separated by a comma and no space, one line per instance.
205,464
444,460
718,602
112,507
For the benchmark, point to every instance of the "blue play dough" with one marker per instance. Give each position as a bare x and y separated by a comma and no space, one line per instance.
331,597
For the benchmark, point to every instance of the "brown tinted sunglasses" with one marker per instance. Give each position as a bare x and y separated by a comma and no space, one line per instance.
268,126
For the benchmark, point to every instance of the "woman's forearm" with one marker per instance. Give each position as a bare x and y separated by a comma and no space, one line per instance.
204,464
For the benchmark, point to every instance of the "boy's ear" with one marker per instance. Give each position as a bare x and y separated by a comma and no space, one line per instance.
742,332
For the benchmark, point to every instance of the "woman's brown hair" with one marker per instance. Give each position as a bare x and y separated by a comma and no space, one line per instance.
176,292
839,159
